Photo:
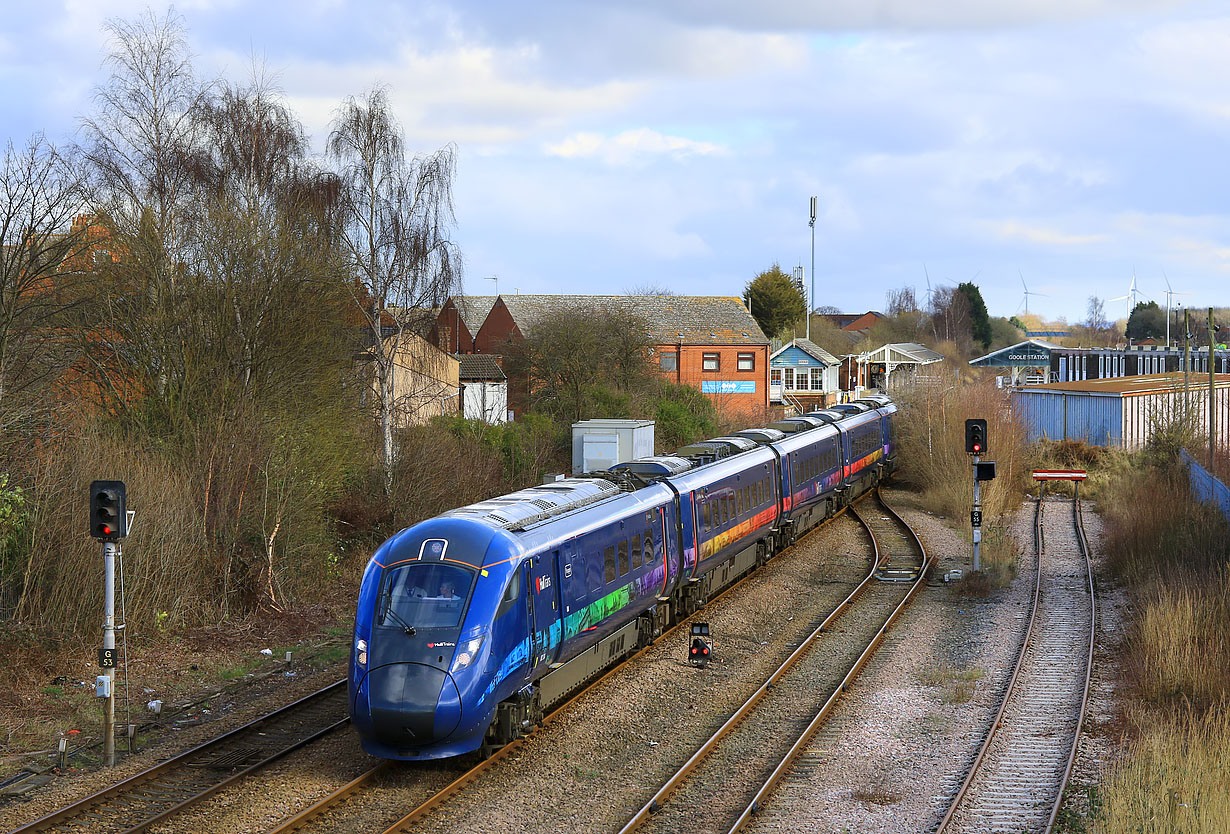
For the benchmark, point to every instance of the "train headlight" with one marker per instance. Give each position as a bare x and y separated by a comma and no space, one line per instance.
467,652
361,651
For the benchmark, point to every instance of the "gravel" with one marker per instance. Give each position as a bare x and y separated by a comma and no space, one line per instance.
896,748
887,760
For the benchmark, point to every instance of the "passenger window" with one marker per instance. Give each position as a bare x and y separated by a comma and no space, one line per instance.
740,507
623,558
511,594
608,559
707,511
636,553
649,548
730,508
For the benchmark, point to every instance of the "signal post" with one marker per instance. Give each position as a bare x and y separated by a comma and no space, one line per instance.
975,447
108,524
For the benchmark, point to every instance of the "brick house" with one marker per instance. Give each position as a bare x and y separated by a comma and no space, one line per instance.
458,322
711,343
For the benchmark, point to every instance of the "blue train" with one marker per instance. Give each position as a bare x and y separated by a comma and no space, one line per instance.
471,624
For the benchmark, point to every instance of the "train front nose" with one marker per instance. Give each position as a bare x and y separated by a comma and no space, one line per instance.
412,704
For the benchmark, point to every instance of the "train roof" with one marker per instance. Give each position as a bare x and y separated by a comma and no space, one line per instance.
657,466
765,435
790,425
520,509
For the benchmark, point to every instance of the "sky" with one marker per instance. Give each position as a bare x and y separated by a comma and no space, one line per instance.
1066,144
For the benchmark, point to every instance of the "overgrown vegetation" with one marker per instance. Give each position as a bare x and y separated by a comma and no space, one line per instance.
1172,553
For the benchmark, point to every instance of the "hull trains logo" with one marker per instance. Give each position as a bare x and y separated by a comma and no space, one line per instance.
433,645
544,582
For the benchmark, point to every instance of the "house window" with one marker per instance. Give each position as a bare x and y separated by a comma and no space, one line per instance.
747,361
668,361
788,378
710,361
775,376
817,379
800,379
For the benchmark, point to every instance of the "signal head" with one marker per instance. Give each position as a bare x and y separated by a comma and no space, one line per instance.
108,512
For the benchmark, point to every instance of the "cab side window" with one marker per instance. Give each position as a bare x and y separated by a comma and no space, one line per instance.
511,594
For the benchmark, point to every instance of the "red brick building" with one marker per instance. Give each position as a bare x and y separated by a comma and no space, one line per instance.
708,342
458,323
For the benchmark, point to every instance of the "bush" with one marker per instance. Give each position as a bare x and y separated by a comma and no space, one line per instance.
931,448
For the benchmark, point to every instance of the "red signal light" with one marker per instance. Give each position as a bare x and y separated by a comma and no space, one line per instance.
106,530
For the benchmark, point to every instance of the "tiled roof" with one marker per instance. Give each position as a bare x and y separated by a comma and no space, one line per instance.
692,319
478,366
811,349
474,309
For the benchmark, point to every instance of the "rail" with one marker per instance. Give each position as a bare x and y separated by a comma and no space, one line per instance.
878,559
1030,638
156,793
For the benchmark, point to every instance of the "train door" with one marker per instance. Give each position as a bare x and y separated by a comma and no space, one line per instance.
544,613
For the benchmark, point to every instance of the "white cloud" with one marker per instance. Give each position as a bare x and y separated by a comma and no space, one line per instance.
465,93
791,15
630,146
1016,230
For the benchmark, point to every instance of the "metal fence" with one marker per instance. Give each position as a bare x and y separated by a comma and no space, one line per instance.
1207,488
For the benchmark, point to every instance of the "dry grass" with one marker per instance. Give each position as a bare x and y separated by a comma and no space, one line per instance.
1174,778
931,437
956,685
1181,643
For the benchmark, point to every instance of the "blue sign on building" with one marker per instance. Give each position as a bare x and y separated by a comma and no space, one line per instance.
719,386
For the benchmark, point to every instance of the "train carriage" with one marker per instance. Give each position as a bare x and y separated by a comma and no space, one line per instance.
471,624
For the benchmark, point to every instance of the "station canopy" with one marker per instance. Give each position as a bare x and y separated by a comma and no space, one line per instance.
1031,353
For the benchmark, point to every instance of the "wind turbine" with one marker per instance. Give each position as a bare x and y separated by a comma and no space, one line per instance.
930,292
1131,297
1027,295
1170,292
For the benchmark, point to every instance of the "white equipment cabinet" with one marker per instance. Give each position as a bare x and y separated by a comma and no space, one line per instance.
600,444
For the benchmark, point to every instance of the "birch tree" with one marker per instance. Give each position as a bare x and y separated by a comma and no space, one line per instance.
40,257
398,214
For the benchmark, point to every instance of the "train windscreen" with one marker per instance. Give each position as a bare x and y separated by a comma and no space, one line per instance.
425,595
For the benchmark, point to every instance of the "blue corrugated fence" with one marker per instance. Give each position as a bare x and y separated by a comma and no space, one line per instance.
1207,488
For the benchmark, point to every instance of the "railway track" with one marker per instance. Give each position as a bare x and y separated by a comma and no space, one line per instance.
331,813
1015,783
155,794
731,775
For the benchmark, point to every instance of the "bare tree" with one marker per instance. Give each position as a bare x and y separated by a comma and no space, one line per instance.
573,351
40,256
901,301
397,216
145,123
